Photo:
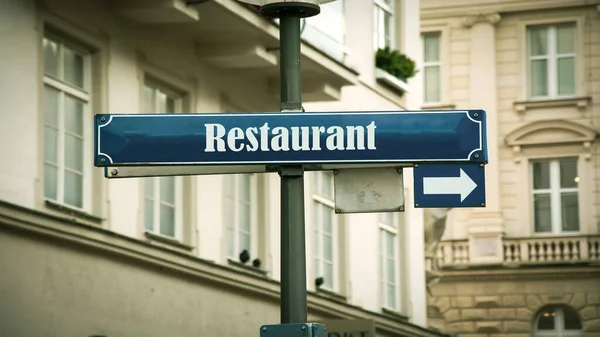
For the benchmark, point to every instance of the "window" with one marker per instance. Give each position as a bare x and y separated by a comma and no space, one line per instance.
557,322
325,230
388,261
555,195
383,19
67,114
241,215
432,68
163,196
552,60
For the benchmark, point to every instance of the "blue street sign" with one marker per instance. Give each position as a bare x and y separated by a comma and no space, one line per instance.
449,185
290,138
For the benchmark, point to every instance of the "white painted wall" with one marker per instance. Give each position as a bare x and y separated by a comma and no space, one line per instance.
21,138
19,115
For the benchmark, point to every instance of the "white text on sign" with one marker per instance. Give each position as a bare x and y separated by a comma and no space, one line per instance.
295,138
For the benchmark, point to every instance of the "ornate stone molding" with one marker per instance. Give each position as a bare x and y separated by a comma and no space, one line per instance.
550,132
472,20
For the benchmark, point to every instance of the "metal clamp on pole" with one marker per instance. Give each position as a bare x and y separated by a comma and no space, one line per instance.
294,330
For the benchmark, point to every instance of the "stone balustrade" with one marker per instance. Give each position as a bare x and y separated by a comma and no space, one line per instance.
532,250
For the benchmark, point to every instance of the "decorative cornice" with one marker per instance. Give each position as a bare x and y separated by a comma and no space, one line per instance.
472,20
441,10
582,271
577,133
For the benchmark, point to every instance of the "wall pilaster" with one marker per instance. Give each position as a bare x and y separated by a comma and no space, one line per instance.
486,225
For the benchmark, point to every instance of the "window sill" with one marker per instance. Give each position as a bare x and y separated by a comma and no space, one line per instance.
168,241
438,106
330,295
394,314
246,268
578,102
391,82
76,213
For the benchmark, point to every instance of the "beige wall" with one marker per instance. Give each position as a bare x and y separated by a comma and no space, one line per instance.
505,106
498,273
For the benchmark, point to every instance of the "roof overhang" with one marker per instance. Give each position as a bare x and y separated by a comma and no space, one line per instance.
231,36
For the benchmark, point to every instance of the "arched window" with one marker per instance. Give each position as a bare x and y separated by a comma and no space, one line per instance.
557,321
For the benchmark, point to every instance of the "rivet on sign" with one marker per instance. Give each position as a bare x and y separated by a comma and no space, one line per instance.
336,172
401,209
103,119
476,115
264,328
103,159
416,205
483,204
337,210
476,155
304,327
416,165
482,164
114,172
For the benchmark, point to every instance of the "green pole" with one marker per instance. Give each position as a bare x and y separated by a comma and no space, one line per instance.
293,245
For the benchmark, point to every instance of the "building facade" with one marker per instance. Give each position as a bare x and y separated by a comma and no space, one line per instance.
83,255
528,264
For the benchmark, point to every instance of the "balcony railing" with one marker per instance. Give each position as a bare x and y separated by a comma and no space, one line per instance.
523,251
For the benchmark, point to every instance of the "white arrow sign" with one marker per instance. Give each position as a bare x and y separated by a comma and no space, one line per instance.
462,185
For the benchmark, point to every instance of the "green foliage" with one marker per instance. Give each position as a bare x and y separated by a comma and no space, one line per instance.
395,63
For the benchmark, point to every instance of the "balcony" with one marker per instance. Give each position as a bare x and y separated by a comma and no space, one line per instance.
584,249
234,39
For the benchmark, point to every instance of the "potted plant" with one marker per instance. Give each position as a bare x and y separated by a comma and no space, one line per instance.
395,63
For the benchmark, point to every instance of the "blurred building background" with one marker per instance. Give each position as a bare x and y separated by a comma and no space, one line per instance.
529,263
82,255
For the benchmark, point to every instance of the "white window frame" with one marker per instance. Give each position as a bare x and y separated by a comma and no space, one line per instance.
179,203
559,326
552,58
555,192
319,199
83,94
393,229
437,63
381,7
234,179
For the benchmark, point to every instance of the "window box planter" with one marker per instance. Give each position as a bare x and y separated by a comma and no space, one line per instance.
390,81
393,68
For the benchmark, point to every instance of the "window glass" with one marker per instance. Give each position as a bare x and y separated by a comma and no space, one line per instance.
538,37
546,320
539,77
73,68
50,58
541,175
565,39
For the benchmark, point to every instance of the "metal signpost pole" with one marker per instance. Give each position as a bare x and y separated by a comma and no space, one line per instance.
293,243
293,247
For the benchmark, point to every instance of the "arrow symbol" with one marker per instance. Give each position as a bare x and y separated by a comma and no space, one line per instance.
462,185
